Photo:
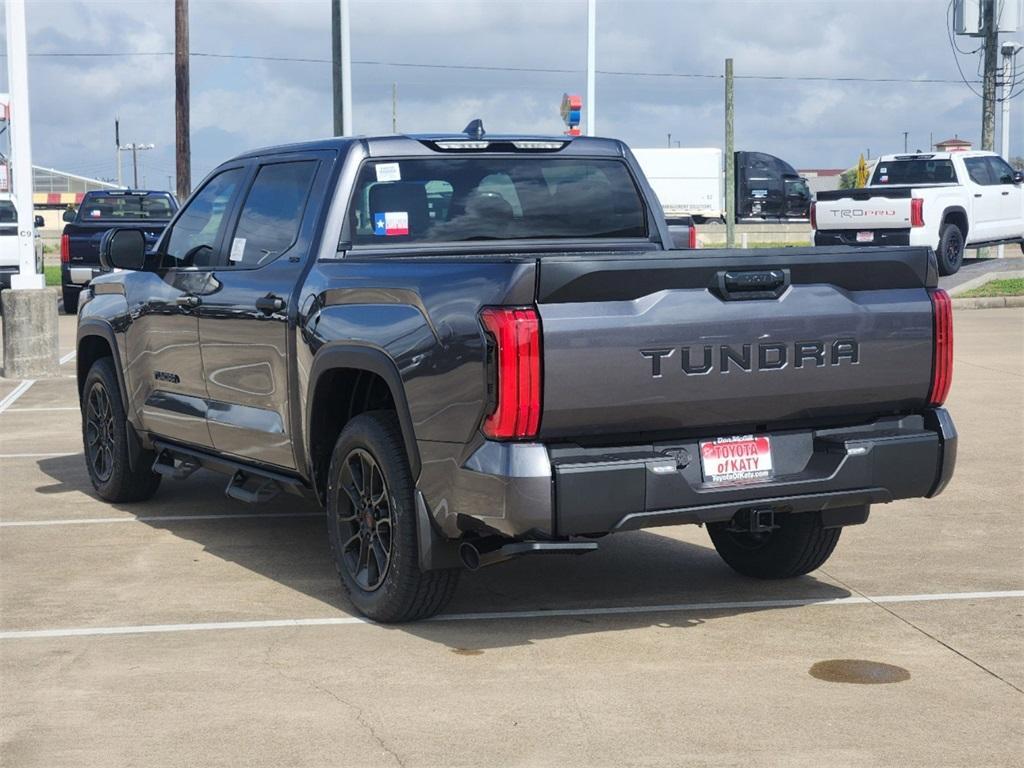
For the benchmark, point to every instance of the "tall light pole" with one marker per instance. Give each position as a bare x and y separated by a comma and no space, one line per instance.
21,146
1009,51
341,50
591,66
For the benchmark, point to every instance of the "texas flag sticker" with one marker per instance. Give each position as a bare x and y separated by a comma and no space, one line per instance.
391,223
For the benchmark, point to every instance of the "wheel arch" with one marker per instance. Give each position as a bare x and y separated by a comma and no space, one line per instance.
955,214
96,339
358,376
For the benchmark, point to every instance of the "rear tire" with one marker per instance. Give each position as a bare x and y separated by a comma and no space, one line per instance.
371,521
798,546
950,254
105,439
70,296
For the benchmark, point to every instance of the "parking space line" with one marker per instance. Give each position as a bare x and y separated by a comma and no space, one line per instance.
146,629
153,519
68,357
14,394
37,455
39,409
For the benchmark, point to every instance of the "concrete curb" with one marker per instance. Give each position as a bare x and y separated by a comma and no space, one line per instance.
988,277
991,302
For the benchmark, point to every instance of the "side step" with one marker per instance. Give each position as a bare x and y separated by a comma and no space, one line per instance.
247,483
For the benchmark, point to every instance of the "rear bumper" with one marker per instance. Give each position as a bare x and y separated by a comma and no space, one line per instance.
849,237
78,277
532,490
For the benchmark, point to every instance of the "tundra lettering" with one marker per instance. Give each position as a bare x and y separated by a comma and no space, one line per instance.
771,356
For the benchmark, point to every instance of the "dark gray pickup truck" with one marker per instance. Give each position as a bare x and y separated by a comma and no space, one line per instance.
470,348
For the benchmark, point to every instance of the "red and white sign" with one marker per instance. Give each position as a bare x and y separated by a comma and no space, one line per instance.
731,459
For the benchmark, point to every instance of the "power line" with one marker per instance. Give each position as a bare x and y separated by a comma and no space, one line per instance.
952,45
539,70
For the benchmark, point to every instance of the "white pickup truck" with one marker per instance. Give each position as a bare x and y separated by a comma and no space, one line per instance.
947,200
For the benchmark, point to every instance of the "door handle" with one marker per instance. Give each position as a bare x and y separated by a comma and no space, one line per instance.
977,194
269,304
1005,193
189,302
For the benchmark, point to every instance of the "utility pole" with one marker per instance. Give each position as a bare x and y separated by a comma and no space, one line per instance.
988,104
591,66
117,148
905,142
135,149
669,140
341,56
730,161
394,107
182,143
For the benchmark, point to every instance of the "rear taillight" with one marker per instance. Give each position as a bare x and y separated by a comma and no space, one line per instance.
814,216
514,361
65,249
942,346
692,243
917,212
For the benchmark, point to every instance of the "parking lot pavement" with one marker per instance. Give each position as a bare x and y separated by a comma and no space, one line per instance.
974,267
194,630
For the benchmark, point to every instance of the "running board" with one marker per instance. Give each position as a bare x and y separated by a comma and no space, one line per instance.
247,483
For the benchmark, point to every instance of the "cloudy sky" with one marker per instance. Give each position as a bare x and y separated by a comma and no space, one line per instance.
238,103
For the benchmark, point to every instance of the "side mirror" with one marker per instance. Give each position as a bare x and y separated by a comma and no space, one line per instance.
123,249
39,222
69,215
1018,177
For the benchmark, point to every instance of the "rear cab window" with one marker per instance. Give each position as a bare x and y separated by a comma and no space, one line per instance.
487,198
924,170
131,205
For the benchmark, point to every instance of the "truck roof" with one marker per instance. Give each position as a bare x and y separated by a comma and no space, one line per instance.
418,144
933,155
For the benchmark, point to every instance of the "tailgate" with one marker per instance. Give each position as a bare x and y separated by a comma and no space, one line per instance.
864,209
741,340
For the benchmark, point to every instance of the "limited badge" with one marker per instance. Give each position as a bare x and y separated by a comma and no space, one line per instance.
391,223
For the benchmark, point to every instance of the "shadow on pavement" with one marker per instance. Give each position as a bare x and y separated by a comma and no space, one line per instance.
629,569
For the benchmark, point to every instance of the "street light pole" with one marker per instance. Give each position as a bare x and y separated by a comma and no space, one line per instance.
591,66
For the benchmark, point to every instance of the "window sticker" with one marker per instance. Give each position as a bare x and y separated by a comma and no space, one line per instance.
237,249
884,179
391,223
95,213
388,172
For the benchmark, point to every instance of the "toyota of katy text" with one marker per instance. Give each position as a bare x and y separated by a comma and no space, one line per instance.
946,200
469,348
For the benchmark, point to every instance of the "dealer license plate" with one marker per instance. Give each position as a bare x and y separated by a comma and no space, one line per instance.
736,459
865,237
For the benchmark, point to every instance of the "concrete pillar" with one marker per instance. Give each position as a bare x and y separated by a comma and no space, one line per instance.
30,333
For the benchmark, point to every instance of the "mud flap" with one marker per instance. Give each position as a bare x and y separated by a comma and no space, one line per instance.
436,553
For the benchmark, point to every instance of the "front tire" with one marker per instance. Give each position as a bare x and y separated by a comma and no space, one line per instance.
105,438
798,546
950,254
371,522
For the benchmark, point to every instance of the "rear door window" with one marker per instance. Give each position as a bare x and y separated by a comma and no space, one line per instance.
494,198
271,215
979,170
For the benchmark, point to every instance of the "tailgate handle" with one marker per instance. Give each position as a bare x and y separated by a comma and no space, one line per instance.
759,284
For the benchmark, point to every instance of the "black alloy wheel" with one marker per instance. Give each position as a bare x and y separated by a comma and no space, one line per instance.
365,524
99,432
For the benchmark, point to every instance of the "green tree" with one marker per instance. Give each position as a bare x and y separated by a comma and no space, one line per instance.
848,179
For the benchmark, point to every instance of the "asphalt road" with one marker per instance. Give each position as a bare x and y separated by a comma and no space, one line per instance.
648,652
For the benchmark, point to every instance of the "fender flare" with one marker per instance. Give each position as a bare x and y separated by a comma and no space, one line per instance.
955,209
344,354
103,330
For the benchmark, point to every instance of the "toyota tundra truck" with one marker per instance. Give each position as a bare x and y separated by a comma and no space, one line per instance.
468,348
946,200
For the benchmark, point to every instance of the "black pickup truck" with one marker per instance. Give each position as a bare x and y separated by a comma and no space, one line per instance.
100,211
470,348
